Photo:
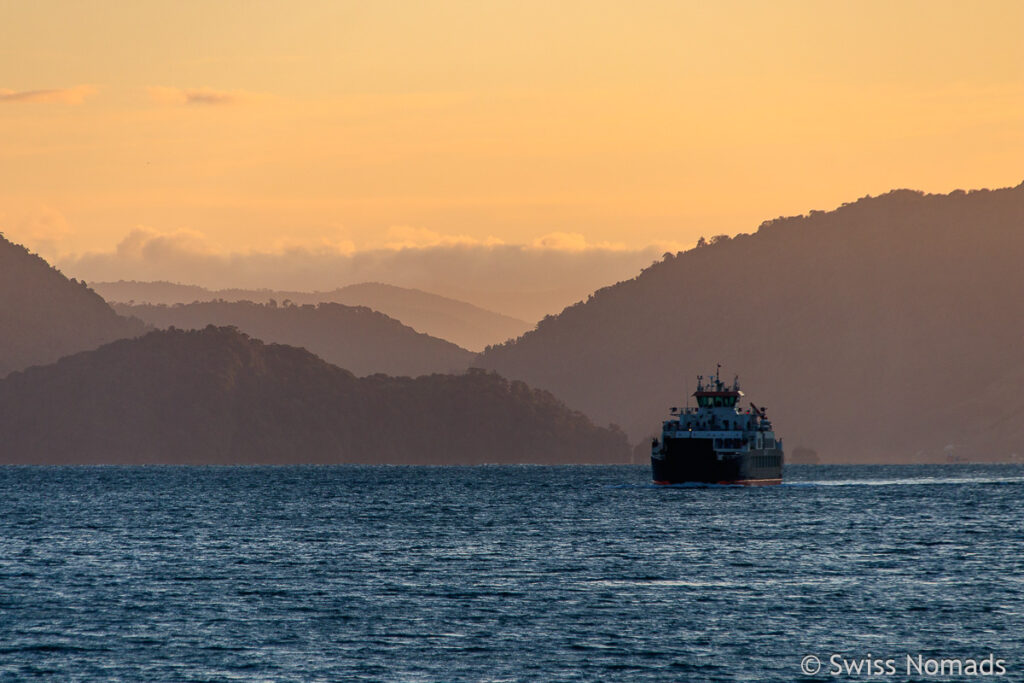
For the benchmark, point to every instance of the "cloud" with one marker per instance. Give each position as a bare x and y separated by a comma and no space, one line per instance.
524,280
405,237
567,241
207,96
145,245
573,241
75,95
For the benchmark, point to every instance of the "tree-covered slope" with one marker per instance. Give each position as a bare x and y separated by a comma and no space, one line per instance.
44,315
869,331
459,322
218,396
355,338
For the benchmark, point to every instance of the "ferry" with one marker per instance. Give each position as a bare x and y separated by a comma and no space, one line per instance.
718,442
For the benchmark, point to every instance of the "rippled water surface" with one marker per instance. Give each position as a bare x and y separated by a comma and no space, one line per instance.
502,573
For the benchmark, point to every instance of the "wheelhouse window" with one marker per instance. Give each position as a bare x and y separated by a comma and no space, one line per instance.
717,401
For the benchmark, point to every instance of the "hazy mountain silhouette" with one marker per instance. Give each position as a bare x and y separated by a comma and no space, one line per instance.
355,338
467,325
888,329
218,396
459,322
44,315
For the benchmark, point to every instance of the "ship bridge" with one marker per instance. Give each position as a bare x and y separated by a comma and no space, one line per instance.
719,413
718,397
717,394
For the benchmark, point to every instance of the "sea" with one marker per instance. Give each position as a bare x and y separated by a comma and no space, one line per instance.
518,573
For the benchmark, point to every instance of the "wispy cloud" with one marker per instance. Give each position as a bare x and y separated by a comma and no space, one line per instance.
74,95
199,96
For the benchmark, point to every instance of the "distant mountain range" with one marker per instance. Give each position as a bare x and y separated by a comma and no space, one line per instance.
218,396
355,338
456,321
890,329
44,315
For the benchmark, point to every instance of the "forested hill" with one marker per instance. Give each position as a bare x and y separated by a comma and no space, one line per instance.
889,329
218,396
459,322
355,338
44,315
463,323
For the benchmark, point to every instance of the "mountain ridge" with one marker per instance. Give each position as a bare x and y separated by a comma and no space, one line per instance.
356,338
217,396
459,322
905,295
44,315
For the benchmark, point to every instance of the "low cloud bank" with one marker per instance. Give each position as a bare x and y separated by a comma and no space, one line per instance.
523,280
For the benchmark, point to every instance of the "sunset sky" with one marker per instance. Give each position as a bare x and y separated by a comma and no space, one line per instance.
233,128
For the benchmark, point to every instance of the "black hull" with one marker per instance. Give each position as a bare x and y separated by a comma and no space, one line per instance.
686,461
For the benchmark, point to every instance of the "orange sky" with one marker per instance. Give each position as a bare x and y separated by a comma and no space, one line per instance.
266,125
